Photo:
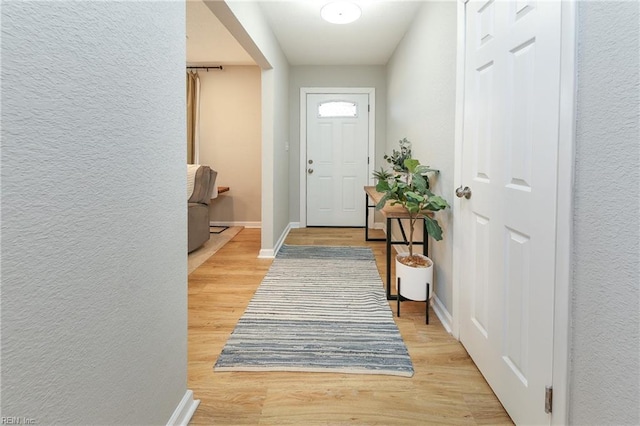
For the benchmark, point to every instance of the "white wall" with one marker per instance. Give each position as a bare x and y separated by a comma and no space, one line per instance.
94,274
281,200
331,76
421,107
230,140
605,352
249,26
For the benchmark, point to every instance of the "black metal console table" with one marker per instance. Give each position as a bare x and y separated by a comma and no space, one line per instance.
391,213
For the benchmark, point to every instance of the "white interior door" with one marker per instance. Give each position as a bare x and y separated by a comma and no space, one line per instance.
509,162
337,153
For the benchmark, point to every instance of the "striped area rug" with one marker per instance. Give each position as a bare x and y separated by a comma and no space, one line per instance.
320,309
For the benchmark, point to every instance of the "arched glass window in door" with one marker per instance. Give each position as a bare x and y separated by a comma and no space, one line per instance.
335,109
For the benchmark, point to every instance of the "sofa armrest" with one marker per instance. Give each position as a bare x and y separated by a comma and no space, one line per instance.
203,185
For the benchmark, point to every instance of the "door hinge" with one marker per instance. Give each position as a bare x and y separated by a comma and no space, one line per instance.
369,108
367,160
548,399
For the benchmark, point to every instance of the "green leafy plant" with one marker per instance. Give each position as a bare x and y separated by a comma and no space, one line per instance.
412,192
396,159
382,175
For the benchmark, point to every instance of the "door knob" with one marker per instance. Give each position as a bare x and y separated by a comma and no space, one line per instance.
463,192
310,171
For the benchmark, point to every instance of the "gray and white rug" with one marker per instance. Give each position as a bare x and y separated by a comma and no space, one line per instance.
320,309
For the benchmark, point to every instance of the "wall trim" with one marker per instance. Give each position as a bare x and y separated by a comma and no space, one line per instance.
304,91
457,228
266,254
184,411
564,216
441,312
271,253
245,224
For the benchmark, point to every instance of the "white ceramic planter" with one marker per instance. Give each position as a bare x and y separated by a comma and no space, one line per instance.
413,281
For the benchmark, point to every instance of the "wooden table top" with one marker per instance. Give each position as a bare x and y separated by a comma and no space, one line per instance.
393,212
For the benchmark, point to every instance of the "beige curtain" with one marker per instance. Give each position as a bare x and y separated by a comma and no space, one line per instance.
193,117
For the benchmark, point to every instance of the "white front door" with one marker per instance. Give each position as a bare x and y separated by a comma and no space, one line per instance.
337,153
509,162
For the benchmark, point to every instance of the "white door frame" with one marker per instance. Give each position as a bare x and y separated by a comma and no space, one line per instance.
564,214
371,91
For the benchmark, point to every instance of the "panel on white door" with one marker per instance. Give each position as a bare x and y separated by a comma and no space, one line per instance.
349,189
324,148
484,122
516,308
480,313
485,18
325,186
348,137
521,8
521,67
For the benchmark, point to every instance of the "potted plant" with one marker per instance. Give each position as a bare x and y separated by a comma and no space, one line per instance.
411,191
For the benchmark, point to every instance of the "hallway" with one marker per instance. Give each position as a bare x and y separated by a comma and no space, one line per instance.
447,388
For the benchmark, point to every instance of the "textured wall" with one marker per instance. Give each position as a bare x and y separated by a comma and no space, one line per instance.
421,87
230,140
332,76
93,212
605,351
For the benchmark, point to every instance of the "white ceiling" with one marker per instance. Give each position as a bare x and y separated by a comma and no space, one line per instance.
305,38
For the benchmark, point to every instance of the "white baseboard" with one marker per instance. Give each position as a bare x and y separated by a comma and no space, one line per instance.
441,312
271,253
438,307
184,411
266,254
245,224
379,225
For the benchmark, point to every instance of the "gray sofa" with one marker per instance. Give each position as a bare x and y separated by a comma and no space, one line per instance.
198,207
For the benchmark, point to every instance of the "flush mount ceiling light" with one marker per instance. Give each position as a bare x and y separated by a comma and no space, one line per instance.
340,12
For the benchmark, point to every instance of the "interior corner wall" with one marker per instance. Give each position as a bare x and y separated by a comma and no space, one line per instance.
231,140
275,91
331,76
281,152
94,242
275,122
605,321
421,94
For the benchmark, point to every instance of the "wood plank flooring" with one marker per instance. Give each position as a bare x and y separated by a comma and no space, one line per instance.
446,389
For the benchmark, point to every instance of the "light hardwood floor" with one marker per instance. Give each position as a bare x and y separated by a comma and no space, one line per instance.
447,388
